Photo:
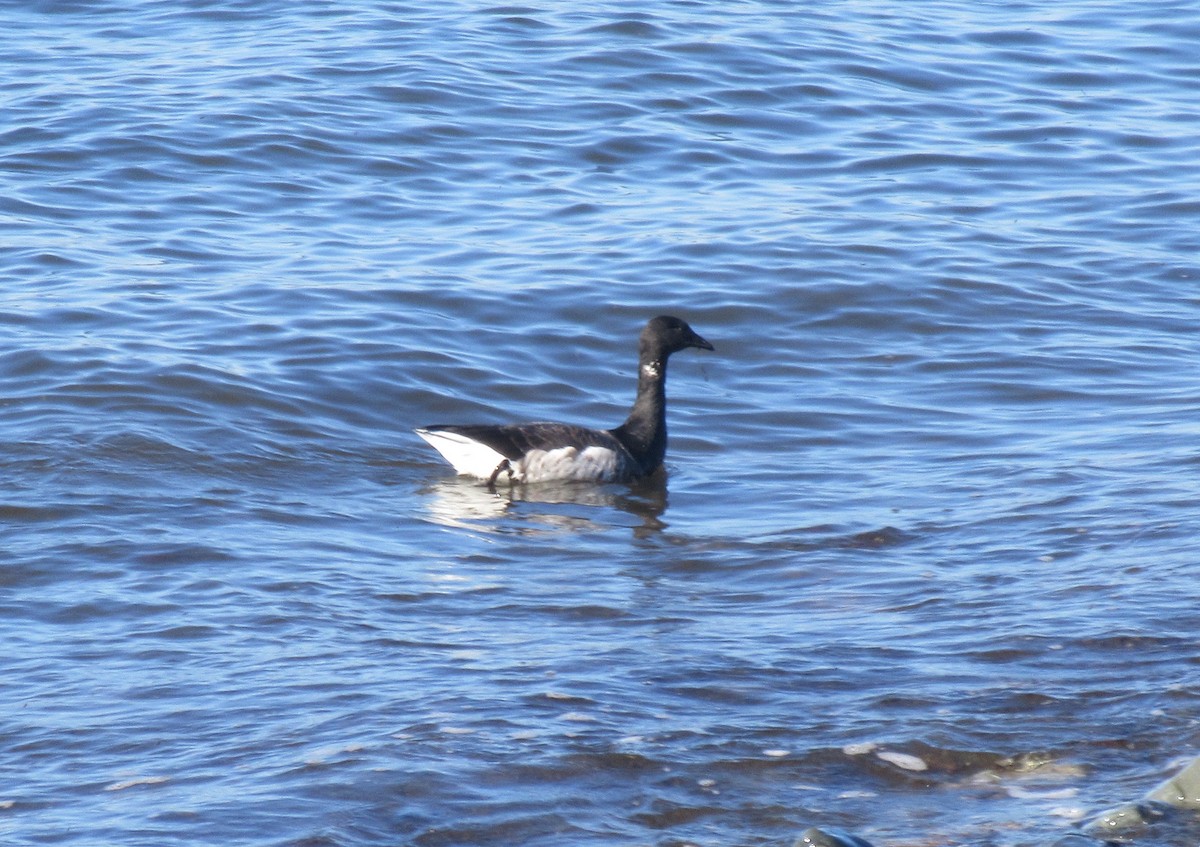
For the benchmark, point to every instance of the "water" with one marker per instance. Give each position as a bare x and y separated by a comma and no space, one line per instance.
922,566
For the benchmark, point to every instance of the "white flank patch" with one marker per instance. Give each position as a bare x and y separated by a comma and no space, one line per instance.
569,463
467,455
470,457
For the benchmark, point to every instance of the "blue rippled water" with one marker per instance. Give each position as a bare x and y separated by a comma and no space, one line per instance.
920,567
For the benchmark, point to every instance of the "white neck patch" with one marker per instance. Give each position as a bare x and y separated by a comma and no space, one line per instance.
651,371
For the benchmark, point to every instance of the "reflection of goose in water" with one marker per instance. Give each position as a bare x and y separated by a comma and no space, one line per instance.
538,452
549,507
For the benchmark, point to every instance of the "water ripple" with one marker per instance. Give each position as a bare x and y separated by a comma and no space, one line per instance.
945,437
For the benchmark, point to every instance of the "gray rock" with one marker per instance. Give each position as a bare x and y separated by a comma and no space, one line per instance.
815,837
1123,821
1182,790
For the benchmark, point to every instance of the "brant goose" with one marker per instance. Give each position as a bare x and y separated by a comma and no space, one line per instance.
538,452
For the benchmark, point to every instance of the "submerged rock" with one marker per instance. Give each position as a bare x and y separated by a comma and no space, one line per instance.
1122,821
815,837
1076,839
1172,809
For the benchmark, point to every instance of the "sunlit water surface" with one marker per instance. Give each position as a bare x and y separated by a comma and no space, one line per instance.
922,565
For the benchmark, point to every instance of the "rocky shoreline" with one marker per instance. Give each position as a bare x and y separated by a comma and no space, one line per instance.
1168,814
